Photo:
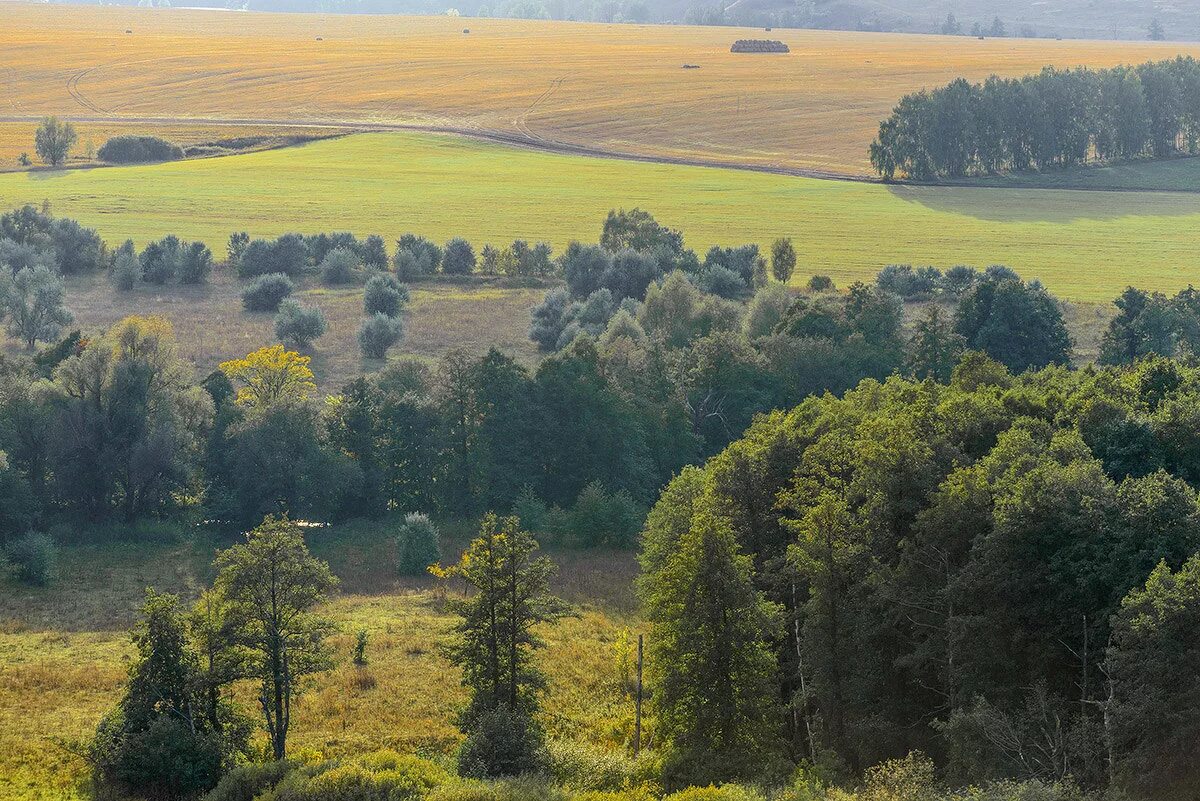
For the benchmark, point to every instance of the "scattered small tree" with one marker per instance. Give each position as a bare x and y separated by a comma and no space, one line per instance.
35,301
299,325
126,269
383,294
783,260
270,375
1156,32
54,140
275,584
494,644
340,266
266,292
379,333
195,263
458,257
31,558
417,544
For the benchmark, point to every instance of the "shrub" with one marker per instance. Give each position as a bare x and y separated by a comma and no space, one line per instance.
374,253
530,510
903,280
599,519
247,782
384,776
32,558
548,319
297,324
766,310
417,544
726,792
383,294
415,257
340,266
266,292
959,279
378,333
138,150
196,264
168,759
820,283
502,742
288,254
161,260
125,270
523,789
458,257
584,767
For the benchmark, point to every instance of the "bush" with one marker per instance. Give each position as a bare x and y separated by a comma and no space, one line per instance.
161,260
903,280
583,767
32,558
247,782
378,333
415,257
383,294
530,510
297,324
166,760
417,544
766,310
502,742
548,319
266,292
384,776
125,271
959,279
196,264
599,519
524,789
288,255
458,258
374,253
820,283
340,266
726,792
138,150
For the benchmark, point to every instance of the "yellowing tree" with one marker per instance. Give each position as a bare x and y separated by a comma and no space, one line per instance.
269,375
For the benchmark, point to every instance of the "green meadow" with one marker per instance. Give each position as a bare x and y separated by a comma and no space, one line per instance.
1084,245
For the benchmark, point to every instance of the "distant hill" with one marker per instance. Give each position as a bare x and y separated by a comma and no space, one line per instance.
1075,19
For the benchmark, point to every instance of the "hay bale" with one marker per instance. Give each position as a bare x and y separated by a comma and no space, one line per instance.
759,46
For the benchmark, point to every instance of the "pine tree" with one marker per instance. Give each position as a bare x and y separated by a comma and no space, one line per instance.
712,671
494,646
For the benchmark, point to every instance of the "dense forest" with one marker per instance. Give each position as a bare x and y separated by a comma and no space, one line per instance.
904,553
1055,119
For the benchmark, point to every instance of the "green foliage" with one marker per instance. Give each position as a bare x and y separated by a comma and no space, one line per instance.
158,742
726,792
458,257
31,558
820,283
298,325
590,770
1151,665
381,776
273,584
126,270
378,333
248,782
783,260
766,310
494,643
383,294
34,300
598,518
1018,324
711,667
266,292
54,140
417,544
288,255
134,149
340,266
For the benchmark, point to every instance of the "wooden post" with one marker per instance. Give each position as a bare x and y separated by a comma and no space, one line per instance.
637,714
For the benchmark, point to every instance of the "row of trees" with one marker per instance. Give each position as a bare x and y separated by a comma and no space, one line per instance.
114,426
1000,572
1057,118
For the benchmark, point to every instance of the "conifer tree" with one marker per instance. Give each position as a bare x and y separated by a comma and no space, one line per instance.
494,645
712,671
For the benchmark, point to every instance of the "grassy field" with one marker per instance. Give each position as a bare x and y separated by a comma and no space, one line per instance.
613,87
1083,245
1172,175
64,651
211,326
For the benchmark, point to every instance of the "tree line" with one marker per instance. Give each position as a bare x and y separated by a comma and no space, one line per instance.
1055,119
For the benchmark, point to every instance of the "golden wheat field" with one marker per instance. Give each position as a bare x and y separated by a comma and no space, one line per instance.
617,88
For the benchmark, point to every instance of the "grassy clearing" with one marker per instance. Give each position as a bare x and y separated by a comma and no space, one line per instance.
1171,175
211,326
63,652
616,87
1083,245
